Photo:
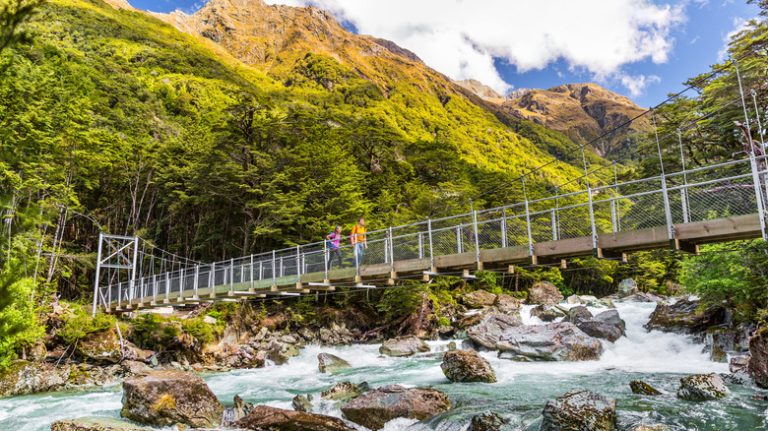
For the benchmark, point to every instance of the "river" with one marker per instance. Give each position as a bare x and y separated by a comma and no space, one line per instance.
519,395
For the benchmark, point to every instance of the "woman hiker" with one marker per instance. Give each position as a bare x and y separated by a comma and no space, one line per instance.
359,241
334,246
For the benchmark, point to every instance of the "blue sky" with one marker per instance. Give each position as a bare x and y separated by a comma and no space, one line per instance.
666,41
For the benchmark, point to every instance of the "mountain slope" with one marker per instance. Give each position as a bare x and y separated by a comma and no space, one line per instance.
584,112
113,120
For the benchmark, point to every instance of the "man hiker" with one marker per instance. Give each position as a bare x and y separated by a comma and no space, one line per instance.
359,241
334,246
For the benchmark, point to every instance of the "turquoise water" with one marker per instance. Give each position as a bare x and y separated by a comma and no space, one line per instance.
519,395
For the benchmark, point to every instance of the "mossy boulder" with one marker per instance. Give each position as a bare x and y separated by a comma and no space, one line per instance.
757,367
467,366
478,299
345,391
642,388
164,398
580,410
685,316
488,421
101,347
702,387
377,407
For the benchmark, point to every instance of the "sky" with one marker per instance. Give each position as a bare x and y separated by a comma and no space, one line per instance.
644,49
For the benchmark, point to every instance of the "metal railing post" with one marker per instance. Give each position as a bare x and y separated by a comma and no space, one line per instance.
326,257
196,282
421,245
132,284
98,275
528,219
252,271
476,233
503,228
758,193
391,249
232,276
274,268
431,249
212,278
459,244
298,264
667,208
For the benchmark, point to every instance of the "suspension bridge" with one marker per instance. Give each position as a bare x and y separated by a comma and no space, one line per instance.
681,210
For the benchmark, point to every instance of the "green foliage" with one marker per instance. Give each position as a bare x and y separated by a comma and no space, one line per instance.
154,332
79,324
396,303
19,326
203,332
731,274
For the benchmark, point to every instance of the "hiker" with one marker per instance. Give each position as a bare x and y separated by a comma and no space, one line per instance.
334,246
359,241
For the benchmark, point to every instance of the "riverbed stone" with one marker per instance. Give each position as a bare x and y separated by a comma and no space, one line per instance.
240,408
266,418
685,316
467,366
577,314
403,346
22,377
758,357
168,397
488,332
345,391
379,406
95,424
580,410
606,325
546,313
627,287
100,347
507,303
544,292
642,388
302,403
650,427
561,341
328,363
478,299
488,421
702,387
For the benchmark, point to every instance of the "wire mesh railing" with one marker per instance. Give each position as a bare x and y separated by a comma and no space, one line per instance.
723,190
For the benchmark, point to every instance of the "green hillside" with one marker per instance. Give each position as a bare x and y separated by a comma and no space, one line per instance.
113,119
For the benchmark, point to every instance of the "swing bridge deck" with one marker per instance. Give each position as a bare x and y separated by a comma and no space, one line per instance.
717,203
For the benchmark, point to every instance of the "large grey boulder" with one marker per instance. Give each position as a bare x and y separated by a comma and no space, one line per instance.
165,398
580,410
265,418
403,346
467,366
544,292
488,332
546,313
607,325
685,316
577,314
488,421
379,406
757,365
561,341
702,387
328,363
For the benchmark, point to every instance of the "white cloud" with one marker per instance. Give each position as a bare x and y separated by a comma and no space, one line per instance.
461,38
636,84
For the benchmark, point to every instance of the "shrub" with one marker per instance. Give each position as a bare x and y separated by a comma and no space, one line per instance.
80,323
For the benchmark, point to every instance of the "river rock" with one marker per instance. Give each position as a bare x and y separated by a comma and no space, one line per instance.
101,347
467,366
403,346
577,314
488,421
488,332
478,299
302,403
165,398
239,410
544,292
758,357
561,341
642,388
643,297
685,316
265,418
329,363
653,427
379,406
580,410
739,364
607,325
547,313
507,303
95,424
702,387
345,391
22,377
627,287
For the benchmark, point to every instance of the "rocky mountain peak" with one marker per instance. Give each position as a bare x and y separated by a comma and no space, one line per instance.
483,91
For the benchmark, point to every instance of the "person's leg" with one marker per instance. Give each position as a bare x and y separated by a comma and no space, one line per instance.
362,253
339,258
